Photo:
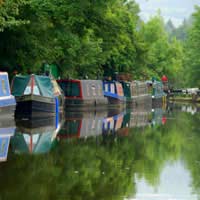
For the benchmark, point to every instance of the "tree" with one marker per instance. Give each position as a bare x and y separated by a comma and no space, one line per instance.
192,58
163,56
10,13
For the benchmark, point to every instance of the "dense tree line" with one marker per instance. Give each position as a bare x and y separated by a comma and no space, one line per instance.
85,37
188,35
97,38
192,54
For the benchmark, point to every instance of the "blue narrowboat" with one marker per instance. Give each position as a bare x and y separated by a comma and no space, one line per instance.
7,101
113,90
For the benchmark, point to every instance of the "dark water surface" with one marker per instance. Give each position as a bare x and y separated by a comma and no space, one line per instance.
108,155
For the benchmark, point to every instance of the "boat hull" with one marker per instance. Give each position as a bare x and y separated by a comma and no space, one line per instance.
33,106
7,111
139,101
7,107
85,104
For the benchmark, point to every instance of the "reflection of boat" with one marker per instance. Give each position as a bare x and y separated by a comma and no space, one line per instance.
7,101
82,125
139,119
36,96
7,129
184,107
112,124
83,94
158,117
35,136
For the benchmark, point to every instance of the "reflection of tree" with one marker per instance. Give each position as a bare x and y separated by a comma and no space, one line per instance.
73,170
191,151
103,167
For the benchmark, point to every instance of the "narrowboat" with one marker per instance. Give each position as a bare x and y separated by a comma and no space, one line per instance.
113,90
7,130
156,90
136,93
7,101
36,96
83,94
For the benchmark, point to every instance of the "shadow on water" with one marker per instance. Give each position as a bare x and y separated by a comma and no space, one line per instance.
129,154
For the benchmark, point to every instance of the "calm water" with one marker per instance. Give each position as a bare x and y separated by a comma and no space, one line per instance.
125,155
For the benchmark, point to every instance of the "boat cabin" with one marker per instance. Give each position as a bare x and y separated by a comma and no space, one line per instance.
7,101
113,90
156,89
82,92
32,85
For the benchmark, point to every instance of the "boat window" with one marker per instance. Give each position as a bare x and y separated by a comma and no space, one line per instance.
27,90
93,89
3,86
75,90
112,88
106,87
36,90
70,88
119,89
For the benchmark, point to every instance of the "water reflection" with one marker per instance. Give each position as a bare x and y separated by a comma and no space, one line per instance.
174,183
157,159
189,108
34,136
92,124
7,130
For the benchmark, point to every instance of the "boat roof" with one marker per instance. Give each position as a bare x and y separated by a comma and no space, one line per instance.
20,82
3,73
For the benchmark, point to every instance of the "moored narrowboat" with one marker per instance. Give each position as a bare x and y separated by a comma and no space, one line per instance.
156,90
113,90
137,94
7,101
83,94
35,96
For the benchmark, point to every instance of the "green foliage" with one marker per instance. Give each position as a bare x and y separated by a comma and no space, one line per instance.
10,13
85,37
192,58
163,56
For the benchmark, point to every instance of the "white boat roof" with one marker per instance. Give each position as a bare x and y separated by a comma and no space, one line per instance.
3,73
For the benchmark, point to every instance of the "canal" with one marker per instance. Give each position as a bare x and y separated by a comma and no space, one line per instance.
118,154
